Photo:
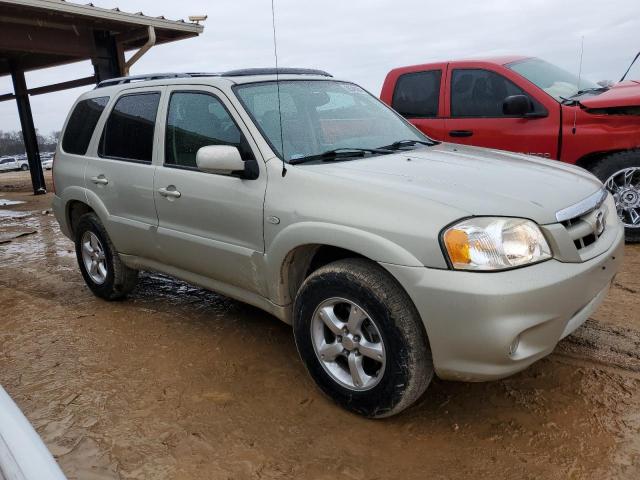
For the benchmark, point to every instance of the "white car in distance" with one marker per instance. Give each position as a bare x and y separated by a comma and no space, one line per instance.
13,163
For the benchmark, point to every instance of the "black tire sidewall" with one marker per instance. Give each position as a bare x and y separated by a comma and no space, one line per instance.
90,223
385,395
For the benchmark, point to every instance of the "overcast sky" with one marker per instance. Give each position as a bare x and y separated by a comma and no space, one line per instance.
361,40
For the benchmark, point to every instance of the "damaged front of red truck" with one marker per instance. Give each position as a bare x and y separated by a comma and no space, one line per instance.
600,122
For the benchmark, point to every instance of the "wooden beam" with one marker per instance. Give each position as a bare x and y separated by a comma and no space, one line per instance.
75,43
28,130
56,87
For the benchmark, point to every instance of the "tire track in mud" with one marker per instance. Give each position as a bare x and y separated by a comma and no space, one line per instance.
603,343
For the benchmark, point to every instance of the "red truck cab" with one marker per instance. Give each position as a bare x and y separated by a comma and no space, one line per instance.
526,105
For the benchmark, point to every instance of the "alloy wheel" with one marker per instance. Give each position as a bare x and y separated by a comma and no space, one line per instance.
93,257
348,344
624,185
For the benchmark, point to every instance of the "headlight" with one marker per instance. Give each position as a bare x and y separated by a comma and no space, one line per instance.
494,243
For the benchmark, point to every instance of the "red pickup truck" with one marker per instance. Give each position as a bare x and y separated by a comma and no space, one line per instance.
527,105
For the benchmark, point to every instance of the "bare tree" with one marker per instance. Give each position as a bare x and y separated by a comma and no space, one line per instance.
11,143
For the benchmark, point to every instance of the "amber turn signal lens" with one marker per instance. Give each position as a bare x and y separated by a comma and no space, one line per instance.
457,243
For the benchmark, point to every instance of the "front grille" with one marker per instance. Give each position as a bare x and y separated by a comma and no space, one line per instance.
585,230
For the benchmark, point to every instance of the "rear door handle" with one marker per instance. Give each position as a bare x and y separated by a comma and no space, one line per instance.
100,180
460,133
169,193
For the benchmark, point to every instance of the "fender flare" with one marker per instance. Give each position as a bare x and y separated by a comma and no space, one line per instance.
98,206
367,244
82,195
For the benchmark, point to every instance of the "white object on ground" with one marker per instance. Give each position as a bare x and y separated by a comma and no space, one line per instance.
23,455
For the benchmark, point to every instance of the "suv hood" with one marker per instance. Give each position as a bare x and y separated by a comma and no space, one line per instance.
625,94
474,180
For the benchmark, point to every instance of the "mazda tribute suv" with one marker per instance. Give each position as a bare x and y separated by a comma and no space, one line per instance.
393,256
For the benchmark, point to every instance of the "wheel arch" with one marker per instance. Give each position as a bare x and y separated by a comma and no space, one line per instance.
301,249
589,160
303,260
77,201
75,209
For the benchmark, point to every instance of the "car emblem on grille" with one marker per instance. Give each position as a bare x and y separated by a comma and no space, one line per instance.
599,223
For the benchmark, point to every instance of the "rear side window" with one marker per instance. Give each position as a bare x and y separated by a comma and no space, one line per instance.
480,93
417,94
81,124
195,120
128,133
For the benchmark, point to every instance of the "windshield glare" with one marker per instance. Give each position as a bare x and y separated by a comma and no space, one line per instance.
318,116
554,80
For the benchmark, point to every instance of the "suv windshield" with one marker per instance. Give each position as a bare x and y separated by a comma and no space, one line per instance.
322,116
554,80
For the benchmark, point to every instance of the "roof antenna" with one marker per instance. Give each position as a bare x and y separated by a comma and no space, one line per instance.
628,69
575,112
275,54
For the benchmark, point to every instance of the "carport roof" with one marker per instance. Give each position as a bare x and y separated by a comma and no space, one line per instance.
45,33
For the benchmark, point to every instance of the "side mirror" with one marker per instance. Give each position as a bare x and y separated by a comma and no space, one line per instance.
225,160
516,105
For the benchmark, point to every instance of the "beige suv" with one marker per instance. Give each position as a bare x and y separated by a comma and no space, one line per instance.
393,256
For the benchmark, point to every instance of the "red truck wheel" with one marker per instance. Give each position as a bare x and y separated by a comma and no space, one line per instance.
620,172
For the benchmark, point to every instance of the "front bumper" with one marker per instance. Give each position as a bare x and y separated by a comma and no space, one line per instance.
472,319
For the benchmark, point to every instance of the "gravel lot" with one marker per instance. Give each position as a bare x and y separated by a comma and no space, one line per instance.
180,383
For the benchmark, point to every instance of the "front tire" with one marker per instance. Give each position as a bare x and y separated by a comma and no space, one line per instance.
24,167
99,262
620,173
361,338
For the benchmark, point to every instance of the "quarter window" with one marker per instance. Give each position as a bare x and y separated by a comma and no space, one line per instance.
195,120
417,94
480,93
128,133
81,124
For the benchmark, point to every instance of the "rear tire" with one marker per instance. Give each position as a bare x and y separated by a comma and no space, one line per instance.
99,262
381,370
620,172
24,167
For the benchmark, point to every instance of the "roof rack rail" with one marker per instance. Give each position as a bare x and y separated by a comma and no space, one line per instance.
273,71
150,76
231,73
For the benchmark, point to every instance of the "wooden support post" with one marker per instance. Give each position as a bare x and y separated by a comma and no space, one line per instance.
28,129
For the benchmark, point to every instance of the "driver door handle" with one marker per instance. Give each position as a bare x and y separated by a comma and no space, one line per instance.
460,133
169,193
100,180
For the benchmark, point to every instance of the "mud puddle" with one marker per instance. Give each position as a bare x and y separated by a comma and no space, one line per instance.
156,288
6,203
12,214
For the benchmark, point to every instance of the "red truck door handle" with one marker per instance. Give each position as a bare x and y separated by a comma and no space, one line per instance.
460,133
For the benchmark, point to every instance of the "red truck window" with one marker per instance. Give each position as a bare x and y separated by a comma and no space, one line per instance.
416,94
479,93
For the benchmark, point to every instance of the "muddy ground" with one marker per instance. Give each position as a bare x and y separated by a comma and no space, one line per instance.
180,383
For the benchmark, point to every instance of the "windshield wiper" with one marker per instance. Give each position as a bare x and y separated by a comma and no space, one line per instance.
571,100
338,153
408,143
587,90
